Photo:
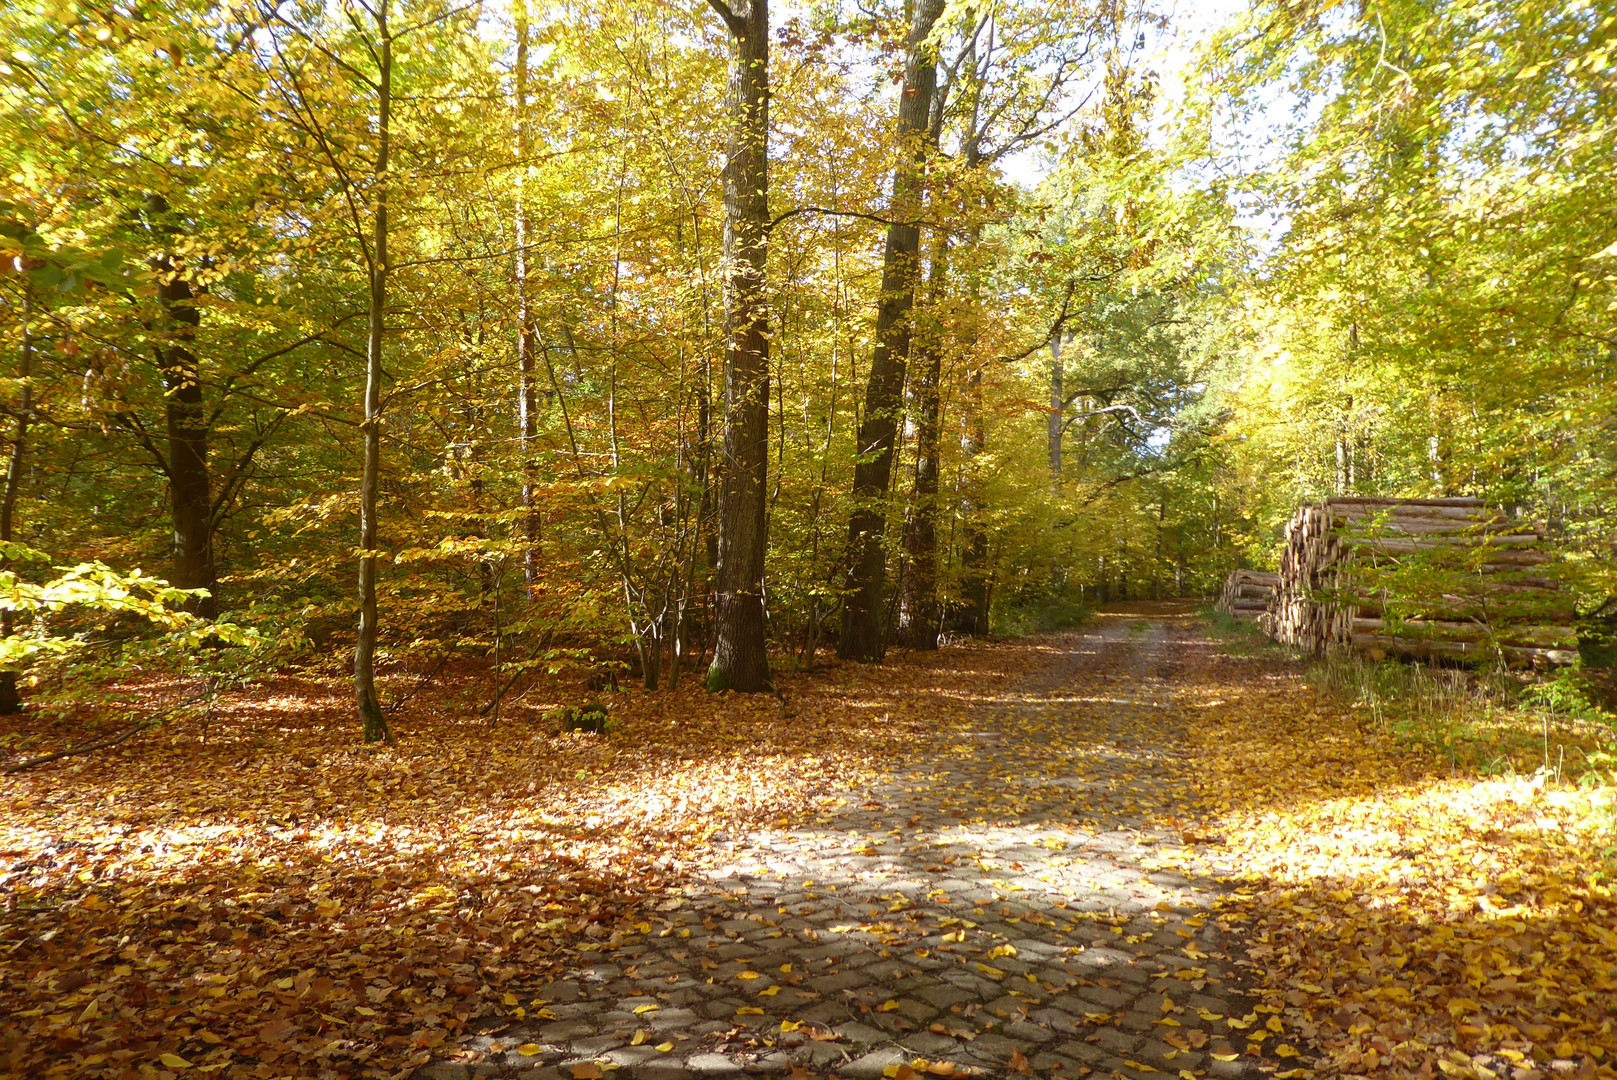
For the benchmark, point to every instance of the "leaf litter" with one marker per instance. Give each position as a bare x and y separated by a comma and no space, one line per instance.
276,899
1408,917
265,896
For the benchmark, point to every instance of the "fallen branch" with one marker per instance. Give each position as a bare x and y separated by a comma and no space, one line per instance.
100,744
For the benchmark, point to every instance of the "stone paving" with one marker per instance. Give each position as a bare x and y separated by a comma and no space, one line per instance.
1007,907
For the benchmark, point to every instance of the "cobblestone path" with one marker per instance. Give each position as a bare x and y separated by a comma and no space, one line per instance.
1004,907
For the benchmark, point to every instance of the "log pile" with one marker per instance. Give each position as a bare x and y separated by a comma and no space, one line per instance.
1247,593
1430,579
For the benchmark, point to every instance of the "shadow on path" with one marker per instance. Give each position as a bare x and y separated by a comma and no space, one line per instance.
1001,907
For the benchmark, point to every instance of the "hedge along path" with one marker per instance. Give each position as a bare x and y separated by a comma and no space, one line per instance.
1005,904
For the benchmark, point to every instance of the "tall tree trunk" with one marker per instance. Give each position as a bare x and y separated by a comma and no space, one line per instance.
372,720
918,606
1058,408
863,633
740,659
527,329
10,699
190,486
973,615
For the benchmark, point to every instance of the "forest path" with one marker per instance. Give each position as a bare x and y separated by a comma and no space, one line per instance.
1004,905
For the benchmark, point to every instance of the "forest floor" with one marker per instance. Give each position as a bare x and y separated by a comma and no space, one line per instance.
1126,850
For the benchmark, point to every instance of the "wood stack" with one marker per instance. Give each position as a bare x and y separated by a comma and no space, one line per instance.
1431,579
1247,593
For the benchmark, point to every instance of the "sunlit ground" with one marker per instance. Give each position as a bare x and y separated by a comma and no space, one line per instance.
1413,914
266,891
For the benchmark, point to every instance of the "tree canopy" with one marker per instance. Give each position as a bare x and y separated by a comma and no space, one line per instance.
476,302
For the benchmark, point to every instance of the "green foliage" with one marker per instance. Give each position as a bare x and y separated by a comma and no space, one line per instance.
1430,312
591,718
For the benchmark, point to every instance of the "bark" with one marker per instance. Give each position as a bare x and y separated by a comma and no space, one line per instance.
740,659
1058,408
527,329
373,722
190,485
10,699
863,637
973,615
918,618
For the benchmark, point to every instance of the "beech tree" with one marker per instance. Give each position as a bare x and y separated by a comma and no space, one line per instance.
863,634
740,657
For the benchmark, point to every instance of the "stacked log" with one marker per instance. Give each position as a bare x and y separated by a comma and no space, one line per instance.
1480,593
1247,593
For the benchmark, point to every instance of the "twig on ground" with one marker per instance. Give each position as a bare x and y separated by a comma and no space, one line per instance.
57,755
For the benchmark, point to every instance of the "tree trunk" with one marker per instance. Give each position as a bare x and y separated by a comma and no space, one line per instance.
973,615
372,720
527,330
740,659
10,699
918,609
863,636
190,486
1058,408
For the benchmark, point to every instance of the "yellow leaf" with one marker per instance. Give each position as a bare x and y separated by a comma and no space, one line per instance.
1275,1025
1139,1067
887,1006
771,992
639,1037
1286,1050
510,998
1223,1057
641,1010
790,1025
530,1049
663,1048
786,969
748,975
748,1010
174,1061
545,1014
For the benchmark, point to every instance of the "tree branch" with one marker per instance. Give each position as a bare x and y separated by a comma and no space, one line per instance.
737,25
99,744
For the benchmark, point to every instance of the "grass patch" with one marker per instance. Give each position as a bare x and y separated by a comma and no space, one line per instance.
1239,637
1496,723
